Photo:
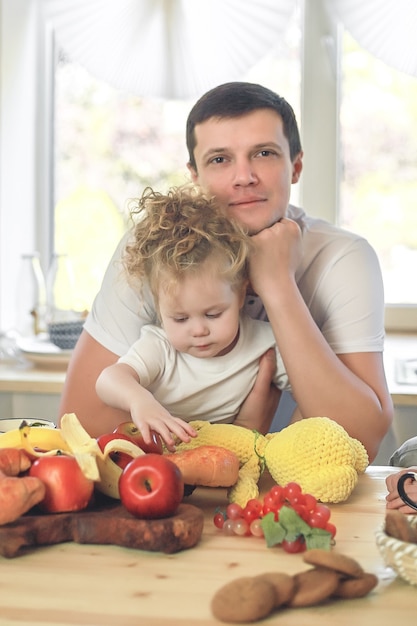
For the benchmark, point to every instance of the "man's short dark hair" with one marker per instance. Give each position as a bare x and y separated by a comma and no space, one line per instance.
236,99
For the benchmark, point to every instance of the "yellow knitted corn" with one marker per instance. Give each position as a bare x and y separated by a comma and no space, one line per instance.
319,455
248,446
316,452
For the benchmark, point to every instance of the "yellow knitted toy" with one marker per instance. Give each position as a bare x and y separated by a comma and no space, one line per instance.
317,453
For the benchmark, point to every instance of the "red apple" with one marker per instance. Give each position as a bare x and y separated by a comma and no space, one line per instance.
151,487
120,458
132,431
67,488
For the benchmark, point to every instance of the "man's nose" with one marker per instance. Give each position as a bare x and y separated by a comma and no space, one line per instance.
244,173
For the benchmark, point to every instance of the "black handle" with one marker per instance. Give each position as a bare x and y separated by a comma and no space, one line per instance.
401,491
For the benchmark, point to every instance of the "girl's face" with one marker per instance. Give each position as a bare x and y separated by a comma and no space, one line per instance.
201,314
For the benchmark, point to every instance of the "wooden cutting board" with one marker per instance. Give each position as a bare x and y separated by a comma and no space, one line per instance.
106,523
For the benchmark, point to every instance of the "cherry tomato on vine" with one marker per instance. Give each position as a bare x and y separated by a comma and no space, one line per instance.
234,511
323,511
331,528
218,520
292,547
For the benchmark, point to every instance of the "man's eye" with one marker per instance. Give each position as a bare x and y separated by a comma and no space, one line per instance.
218,159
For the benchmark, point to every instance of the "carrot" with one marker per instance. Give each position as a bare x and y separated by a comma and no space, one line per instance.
13,461
207,466
18,494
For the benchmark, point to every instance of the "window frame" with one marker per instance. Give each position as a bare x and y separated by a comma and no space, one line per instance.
26,131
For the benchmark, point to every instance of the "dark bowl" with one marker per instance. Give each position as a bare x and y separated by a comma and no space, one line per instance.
65,334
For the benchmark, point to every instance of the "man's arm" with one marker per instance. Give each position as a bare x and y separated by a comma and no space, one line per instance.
90,358
79,394
260,405
349,388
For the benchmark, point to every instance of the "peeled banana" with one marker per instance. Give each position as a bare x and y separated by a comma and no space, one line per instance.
41,437
73,439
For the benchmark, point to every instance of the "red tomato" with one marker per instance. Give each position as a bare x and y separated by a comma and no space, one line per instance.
302,511
151,487
271,503
218,520
234,511
120,458
292,547
316,520
133,433
331,528
67,489
322,511
292,491
310,502
277,493
250,514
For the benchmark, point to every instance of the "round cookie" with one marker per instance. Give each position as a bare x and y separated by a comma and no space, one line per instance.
283,584
314,586
398,526
333,560
244,600
350,588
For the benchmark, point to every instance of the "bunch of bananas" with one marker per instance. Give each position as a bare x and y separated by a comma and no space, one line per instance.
72,439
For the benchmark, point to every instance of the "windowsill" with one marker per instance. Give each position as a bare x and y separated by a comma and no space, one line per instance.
401,319
400,346
29,379
24,378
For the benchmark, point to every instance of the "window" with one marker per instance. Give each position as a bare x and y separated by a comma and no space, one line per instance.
109,145
377,125
378,187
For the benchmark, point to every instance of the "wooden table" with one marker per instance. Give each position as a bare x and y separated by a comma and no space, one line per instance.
72,584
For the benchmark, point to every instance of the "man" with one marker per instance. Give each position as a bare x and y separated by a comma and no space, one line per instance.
320,287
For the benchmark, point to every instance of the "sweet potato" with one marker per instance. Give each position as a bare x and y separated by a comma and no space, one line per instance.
207,466
13,461
18,494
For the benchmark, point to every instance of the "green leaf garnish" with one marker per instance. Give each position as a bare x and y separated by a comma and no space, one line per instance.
290,526
274,533
318,538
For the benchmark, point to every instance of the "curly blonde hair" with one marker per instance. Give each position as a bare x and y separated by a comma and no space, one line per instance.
176,233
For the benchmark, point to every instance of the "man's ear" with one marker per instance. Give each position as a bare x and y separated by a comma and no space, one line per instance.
193,172
297,166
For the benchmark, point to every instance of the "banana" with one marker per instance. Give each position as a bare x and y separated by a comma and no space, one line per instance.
74,440
40,437
109,477
109,471
84,448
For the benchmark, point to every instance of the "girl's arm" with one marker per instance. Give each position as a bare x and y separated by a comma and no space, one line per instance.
119,386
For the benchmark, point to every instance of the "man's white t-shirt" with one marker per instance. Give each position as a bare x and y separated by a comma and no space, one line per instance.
339,278
202,389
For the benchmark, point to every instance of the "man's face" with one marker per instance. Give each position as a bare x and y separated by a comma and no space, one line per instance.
245,163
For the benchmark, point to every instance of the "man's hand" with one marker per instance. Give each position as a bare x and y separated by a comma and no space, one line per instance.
276,256
393,498
258,410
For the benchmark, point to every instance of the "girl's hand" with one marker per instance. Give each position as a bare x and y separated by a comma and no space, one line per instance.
151,415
